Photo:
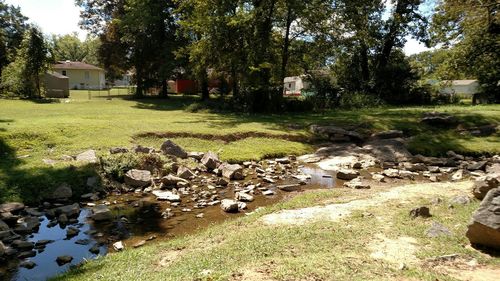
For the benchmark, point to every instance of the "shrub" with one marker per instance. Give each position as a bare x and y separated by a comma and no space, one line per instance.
117,165
359,100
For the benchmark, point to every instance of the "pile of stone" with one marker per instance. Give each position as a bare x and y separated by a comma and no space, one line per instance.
203,180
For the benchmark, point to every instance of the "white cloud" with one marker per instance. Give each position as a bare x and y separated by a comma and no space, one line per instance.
53,16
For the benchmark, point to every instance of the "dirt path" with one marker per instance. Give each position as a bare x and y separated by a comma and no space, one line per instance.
335,212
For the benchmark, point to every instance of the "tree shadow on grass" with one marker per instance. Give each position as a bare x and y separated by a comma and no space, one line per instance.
32,185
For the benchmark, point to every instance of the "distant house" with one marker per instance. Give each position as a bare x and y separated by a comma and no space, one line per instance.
81,75
125,80
460,87
295,85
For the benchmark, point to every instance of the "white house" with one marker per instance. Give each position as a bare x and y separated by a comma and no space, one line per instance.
81,75
293,86
460,87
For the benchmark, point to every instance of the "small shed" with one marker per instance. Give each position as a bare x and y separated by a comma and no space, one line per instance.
56,85
294,85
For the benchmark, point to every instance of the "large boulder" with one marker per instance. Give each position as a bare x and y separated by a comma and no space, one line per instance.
484,228
483,185
88,156
3,249
210,160
12,207
170,148
437,119
102,213
3,226
138,178
68,210
335,133
233,172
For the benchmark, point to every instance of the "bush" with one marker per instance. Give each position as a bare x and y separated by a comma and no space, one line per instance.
359,100
117,165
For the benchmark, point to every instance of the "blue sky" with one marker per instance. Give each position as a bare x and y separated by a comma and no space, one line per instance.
62,16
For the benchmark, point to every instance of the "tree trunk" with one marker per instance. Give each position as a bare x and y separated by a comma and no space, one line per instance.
286,48
139,91
164,89
205,94
365,71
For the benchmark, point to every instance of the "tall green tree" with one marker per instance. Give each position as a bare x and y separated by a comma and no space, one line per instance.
12,27
472,28
70,47
138,34
23,75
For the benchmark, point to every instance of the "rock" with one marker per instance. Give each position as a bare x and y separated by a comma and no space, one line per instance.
72,232
4,226
378,177
417,167
185,173
102,213
170,148
437,230
222,182
23,245
493,169
196,155
229,206
458,175
484,229
387,150
62,260
12,207
233,172
244,197
481,165
166,196
484,131
3,249
45,242
88,156
118,246
138,178
268,192
26,254
436,119
63,219
391,173
64,191
420,212
27,264
335,133
172,180
284,160
83,242
68,210
357,184
483,185
347,174
210,160
433,169
391,134
289,187
117,150
95,249
461,200
143,149
139,244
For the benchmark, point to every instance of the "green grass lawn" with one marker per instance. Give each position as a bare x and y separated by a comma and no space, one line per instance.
32,131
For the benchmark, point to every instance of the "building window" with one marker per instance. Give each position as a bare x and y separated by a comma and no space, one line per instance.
87,75
64,72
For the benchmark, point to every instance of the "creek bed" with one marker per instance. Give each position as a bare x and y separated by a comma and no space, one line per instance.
138,218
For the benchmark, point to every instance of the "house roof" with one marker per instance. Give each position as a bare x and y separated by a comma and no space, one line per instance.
57,75
463,82
75,65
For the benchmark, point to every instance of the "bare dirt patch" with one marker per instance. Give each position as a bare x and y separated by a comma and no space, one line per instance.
225,138
395,251
168,257
336,212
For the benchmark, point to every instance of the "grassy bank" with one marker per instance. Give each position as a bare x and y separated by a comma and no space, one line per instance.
31,132
246,249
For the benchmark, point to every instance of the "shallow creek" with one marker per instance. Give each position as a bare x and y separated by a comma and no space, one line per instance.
139,219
